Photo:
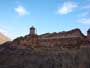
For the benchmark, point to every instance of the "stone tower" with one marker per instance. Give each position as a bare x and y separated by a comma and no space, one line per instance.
32,31
88,34
33,38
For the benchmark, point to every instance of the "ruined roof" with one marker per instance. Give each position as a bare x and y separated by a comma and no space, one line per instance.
32,27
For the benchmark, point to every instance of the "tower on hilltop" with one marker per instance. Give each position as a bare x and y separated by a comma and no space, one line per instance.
88,34
32,30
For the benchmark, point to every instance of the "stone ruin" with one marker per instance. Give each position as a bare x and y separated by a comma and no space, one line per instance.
70,39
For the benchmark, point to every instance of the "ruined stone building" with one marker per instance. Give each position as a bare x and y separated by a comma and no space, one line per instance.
70,38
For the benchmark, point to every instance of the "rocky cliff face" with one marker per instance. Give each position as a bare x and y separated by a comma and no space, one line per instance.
44,57
71,51
3,38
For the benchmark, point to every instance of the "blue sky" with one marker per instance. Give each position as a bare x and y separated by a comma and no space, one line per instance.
17,16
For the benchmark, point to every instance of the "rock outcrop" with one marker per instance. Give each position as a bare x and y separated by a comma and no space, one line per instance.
3,38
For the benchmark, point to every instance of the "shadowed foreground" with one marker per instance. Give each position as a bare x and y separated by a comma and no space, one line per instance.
44,57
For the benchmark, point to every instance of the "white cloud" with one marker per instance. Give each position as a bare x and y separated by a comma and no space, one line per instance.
67,7
85,16
21,10
85,20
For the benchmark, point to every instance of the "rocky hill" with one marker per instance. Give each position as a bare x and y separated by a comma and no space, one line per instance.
3,38
70,50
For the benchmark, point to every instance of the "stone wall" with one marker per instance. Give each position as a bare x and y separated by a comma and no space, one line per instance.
65,34
61,42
